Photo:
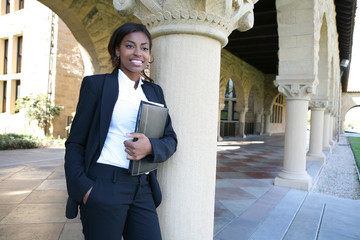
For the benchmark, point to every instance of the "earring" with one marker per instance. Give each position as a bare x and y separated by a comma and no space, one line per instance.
118,61
151,59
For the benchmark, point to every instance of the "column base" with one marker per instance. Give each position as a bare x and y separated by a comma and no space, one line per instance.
294,180
319,157
327,148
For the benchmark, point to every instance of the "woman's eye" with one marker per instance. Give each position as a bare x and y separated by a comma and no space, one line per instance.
129,46
145,49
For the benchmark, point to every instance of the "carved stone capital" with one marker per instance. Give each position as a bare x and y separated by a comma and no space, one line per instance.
318,104
296,90
213,18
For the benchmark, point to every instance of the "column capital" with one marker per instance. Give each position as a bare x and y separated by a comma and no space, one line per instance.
296,90
212,18
317,104
296,86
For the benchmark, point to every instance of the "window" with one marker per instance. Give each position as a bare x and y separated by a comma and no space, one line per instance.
229,112
6,47
17,89
224,112
15,94
18,5
19,54
21,4
235,114
7,7
277,110
3,96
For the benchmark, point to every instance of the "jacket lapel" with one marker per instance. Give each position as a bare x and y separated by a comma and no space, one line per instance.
149,92
109,97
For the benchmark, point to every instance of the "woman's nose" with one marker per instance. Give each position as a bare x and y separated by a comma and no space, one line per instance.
137,52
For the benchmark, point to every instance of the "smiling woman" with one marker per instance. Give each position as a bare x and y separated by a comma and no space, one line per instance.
114,204
133,54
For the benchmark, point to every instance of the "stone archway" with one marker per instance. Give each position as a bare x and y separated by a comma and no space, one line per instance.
352,124
91,23
349,101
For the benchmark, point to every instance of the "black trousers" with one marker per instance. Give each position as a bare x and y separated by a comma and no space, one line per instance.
119,205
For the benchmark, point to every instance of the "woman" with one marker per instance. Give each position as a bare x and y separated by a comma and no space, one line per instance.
112,202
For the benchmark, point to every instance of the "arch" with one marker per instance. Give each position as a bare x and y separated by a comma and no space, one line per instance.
349,101
91,23
354,122
254,107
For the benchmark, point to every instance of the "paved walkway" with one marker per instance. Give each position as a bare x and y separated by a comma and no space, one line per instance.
248,205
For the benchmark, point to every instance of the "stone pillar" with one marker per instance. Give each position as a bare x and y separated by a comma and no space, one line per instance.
294,173
258,123
267,124
242,124
316,131
332,121
184,34
326,143
221,107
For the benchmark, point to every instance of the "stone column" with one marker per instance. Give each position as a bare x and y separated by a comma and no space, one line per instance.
294,173
332,122
326,143
184,34
221,107
267,124
258,123
316,131
242,124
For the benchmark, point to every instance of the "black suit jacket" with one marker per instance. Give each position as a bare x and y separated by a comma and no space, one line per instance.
98,95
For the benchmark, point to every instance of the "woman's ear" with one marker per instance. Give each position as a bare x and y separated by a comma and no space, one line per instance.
117,51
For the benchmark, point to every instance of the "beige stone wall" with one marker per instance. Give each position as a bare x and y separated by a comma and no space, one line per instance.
69,74
245,78
91,23
308,45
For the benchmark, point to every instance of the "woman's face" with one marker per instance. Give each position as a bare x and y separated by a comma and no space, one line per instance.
134,52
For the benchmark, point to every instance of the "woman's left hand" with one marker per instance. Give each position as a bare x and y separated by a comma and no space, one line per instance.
139,149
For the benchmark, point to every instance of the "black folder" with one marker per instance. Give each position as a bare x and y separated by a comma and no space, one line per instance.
151,120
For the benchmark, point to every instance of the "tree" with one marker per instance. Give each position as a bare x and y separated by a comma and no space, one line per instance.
40,109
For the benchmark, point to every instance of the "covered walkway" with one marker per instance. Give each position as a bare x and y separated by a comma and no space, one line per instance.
247,204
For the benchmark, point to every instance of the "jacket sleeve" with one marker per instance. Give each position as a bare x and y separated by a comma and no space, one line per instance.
164,148
77,181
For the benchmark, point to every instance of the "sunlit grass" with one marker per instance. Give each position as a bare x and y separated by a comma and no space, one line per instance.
355,146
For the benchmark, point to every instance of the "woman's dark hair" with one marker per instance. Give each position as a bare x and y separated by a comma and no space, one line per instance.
118,36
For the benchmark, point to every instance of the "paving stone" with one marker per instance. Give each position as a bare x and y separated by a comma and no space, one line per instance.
36,213
46,231
47,196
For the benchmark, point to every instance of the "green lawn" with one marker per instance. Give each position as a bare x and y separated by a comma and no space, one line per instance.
355,146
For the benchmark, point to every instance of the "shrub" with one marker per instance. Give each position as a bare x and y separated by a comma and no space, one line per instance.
24,141
40,109
17,141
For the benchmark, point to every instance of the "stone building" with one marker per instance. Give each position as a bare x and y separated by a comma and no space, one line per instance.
39,55
228,69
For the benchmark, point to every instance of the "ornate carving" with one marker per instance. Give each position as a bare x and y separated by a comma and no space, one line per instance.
318,104
296,90
237,14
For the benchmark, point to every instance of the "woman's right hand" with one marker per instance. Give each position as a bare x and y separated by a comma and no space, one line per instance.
85,198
